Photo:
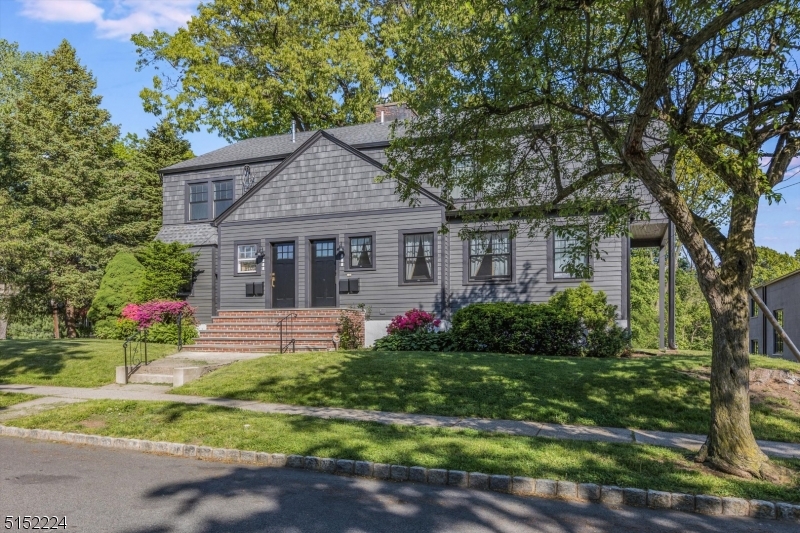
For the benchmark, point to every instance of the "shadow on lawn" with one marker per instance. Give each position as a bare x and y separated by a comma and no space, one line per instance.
635,393
43,357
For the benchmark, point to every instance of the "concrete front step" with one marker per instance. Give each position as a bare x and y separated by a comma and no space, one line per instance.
147,377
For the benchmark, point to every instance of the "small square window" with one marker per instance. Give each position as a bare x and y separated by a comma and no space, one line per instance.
418,257
361,252
490,256
198,201
246,259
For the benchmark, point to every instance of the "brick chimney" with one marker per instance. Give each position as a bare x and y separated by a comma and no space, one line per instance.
393,111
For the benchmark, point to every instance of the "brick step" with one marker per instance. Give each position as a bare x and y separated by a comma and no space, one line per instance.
282,313
274,345
265,330
271,348
271,324
271,336
263,340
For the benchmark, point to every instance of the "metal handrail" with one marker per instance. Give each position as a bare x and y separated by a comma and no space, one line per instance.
288,323
135,352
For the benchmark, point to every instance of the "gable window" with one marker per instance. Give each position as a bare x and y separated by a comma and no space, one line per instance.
418,254
361,252
223,196
246,259
209,199
490,256
777,340
198,201
561,256
753,308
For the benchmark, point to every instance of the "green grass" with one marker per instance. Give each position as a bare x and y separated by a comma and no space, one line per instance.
642,393
7,399
618,464
67,362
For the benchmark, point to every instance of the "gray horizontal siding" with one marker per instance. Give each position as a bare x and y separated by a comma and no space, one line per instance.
174,187
379,288
203,288
530,263
324,179
782,294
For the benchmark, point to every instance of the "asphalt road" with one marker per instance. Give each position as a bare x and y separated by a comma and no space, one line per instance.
108,490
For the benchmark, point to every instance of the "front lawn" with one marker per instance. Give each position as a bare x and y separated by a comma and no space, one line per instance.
625,465
66,362
644,393
7,399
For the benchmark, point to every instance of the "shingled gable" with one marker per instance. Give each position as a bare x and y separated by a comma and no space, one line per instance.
294,156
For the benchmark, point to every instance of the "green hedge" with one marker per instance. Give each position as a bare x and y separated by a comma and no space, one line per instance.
516,328
419,341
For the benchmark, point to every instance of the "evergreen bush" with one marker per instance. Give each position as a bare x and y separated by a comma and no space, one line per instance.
168,270
118,288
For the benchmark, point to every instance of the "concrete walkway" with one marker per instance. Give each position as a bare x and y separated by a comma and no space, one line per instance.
511,427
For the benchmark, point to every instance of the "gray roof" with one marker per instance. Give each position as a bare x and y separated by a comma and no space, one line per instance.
262,148
194,234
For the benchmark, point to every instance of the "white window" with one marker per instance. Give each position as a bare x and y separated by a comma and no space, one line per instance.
246,259
561,256
490,256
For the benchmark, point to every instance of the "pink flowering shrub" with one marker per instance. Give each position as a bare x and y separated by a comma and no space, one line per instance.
158,311
412,321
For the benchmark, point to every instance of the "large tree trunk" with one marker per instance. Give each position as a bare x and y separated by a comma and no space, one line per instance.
56,328
71,320
3,327
731,446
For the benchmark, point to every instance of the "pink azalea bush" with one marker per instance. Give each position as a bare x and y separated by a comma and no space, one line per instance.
412,321
158,311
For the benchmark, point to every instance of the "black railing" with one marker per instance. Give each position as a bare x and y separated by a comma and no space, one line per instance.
286,324
180,332
135,348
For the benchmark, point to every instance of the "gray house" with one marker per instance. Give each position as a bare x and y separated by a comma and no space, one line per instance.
781,297
298,225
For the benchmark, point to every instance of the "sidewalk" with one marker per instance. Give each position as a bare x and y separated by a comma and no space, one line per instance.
512,427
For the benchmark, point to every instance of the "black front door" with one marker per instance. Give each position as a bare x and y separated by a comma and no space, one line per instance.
283,282
323,274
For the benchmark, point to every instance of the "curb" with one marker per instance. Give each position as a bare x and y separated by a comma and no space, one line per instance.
609,495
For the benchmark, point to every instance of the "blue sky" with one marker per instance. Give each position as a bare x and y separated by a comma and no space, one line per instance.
100,31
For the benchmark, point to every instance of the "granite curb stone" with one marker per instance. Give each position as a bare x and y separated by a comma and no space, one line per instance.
437,476
609,495
457,478
706,504
762,509
658,499
478,481
588,492
418,474
735,507
524,486
363,468
567,490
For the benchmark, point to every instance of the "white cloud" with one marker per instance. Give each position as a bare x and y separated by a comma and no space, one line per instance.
113,19
789,223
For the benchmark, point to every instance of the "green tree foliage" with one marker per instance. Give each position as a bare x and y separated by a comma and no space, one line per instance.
168,270
248,68
60,176
119,285
771,264
527,89
143,157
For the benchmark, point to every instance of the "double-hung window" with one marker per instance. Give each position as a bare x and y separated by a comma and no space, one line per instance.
753,308
198,201
223,196
418,257
246,259
490,256
562,256
208,199
777,340
361,252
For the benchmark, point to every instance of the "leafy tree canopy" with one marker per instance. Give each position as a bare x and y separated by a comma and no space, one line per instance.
249,68
531,107
771,264
168,268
